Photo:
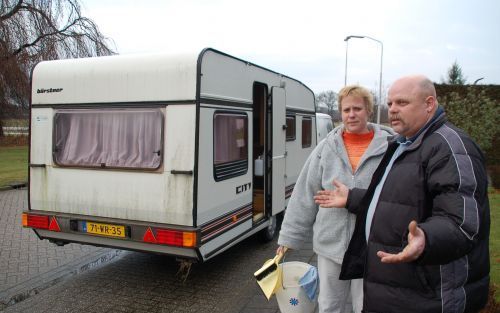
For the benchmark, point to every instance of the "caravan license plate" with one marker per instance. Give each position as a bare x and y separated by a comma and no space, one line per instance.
104,229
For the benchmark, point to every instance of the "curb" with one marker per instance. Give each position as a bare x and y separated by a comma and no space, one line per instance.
34,286
16,185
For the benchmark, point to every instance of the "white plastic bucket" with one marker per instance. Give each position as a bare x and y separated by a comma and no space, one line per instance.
290,296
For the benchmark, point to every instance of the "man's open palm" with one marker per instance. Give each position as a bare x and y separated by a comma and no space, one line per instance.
414,248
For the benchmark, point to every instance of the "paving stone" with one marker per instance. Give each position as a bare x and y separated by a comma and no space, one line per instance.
23,256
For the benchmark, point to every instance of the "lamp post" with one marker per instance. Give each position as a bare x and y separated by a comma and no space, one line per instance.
475,82
346,48
380,78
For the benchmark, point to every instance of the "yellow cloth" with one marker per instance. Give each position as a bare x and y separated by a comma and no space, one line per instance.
355,145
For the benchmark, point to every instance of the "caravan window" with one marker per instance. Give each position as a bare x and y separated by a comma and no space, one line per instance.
109,138
230,145
290,127
306,132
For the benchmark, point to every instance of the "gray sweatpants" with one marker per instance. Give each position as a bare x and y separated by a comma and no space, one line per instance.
337,296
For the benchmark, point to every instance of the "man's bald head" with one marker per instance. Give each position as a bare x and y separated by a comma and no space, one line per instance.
421,86
412,102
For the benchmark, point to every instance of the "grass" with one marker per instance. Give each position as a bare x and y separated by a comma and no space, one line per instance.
494,196
13,165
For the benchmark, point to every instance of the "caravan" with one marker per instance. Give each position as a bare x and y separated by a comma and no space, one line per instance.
183,155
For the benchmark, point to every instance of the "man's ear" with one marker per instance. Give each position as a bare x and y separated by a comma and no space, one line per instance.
430,103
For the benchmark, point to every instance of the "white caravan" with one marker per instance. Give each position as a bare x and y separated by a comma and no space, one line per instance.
183,155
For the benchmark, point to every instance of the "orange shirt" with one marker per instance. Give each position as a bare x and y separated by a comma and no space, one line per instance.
356,145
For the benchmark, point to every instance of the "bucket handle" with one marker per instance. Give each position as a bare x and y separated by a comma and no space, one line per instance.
283,271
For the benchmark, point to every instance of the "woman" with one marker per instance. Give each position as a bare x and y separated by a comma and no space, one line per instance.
350,154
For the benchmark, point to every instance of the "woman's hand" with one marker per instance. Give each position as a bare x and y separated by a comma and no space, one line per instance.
336,198
281,250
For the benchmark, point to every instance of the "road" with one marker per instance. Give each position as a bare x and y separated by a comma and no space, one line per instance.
140,282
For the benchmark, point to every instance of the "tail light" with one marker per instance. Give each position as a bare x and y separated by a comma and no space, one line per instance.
36,221
171,237
54,225
40,222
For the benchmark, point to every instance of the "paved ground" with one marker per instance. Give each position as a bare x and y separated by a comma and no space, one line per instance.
140,283
37,276
27,264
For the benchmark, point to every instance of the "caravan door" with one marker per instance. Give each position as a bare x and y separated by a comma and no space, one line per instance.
278,110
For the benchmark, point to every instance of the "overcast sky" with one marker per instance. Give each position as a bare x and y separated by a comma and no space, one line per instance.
305,39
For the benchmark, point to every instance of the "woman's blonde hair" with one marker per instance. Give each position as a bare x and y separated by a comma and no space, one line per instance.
357,91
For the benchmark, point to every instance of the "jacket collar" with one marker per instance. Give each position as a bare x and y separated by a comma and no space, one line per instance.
376,146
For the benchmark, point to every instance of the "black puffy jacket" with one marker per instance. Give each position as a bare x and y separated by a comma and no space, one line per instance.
440,181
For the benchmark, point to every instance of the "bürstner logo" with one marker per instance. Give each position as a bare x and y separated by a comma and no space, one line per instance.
43,90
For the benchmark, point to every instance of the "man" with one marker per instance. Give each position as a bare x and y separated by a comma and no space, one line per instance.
422,228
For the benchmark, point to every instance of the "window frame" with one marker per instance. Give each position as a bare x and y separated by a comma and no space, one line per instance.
101,167
242,164
306,144
293,117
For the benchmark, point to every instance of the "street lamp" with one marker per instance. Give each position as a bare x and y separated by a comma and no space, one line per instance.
381,58
475,82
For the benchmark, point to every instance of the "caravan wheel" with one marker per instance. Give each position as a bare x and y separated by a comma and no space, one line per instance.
267,234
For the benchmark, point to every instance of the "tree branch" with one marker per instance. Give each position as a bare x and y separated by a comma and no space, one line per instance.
13,11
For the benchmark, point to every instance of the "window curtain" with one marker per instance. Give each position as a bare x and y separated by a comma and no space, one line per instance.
109,138
290,128
306,132
230,138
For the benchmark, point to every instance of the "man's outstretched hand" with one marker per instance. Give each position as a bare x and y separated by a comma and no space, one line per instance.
415,247
336,198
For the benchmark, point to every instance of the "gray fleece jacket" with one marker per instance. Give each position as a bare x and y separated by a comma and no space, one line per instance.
332,228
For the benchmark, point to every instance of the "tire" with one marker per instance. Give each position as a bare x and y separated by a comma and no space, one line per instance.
268,233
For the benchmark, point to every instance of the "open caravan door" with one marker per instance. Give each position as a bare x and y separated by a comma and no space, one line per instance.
278,109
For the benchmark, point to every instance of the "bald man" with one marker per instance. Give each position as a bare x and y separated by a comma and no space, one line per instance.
422,227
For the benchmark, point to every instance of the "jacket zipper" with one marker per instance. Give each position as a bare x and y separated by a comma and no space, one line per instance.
348,226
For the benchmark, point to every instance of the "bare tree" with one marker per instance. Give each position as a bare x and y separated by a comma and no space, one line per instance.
35,30
326,102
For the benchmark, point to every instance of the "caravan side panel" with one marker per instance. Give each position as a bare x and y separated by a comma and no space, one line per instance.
300,103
